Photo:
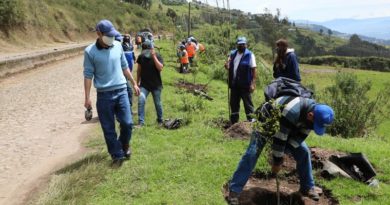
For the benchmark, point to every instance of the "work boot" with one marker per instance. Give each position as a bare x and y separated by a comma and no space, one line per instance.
233,198
311,193
116,163
126,150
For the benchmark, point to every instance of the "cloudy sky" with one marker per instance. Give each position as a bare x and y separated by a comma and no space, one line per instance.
314,10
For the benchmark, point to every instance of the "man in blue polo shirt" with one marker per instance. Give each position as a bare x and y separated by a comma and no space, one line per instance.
299,116
105,64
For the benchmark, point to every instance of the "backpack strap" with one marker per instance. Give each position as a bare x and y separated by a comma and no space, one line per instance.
288,100
304,110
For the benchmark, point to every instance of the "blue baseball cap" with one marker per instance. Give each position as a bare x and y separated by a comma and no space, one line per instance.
118,37
105,26
241,40
323,116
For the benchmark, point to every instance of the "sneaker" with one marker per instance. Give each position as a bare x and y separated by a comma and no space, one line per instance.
127,151
311,193
138,126
233,198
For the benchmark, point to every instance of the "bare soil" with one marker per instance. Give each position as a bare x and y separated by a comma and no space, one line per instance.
261,187
221,123
42,125
190,87
239,130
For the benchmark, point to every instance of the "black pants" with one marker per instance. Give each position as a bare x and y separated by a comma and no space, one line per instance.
236,94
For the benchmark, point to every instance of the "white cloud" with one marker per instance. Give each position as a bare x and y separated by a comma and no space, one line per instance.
315,10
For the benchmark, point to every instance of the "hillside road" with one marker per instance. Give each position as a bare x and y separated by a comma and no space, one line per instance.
42,125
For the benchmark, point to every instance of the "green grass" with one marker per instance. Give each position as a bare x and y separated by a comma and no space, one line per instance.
191,164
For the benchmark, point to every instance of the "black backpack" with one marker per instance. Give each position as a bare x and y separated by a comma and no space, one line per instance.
281,87
286,87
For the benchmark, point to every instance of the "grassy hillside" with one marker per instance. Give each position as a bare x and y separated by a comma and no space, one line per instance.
73,20
190,165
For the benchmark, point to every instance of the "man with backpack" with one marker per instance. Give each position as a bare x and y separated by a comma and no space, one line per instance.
298,116
242,76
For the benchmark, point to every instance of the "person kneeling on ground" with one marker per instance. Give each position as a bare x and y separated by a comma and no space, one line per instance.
298,117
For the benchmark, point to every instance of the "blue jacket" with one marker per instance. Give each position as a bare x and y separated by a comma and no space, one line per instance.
130,59
244,71
290,68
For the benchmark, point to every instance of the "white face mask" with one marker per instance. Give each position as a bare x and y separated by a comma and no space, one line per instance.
108,40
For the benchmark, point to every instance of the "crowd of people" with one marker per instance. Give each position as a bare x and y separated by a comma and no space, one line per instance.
187,51
108,62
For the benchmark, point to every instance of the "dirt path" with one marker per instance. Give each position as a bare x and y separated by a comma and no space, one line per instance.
41,123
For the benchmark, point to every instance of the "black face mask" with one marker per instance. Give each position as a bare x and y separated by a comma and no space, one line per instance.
241,48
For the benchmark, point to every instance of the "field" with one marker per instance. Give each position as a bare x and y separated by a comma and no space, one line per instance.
190,165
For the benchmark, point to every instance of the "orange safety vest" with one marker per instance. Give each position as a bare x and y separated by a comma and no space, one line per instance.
184,59
191,49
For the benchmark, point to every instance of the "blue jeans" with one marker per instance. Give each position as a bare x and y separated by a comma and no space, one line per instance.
110,104
248,161
157,104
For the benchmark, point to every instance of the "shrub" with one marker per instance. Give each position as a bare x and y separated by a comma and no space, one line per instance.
219,73
367,63
192,103
355,113
11,14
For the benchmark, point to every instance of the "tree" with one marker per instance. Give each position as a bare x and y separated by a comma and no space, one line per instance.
146,4
330,32
271,28
11,14
242,22
321,31
354,39
172,14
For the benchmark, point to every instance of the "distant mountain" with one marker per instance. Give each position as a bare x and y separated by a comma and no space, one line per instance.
375,30
373,27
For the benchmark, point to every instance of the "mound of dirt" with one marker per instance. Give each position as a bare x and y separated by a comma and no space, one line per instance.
261,187
319,155
240,130
191,86
261,190
221,123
